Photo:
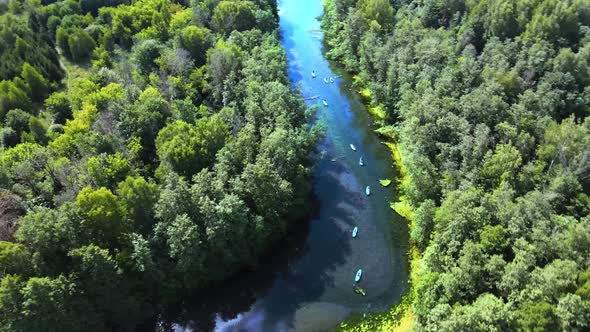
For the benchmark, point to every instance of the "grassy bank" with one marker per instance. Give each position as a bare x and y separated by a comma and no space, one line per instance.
398,318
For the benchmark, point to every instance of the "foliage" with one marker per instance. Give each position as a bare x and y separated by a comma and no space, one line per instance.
189,148
385,182
233,15
162,163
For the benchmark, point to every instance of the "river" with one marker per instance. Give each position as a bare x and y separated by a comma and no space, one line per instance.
306,283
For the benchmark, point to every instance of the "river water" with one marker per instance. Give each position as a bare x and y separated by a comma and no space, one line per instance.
305,284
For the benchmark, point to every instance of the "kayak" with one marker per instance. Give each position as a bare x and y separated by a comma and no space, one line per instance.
358,276
359,290
355,231
326,80
313,73
352,147
361,162
368,190
331,80
325,103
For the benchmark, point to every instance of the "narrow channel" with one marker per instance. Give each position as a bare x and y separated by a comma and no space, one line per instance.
307,282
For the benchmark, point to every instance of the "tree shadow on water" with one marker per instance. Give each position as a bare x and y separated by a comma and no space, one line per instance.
225,300
296,271
328,247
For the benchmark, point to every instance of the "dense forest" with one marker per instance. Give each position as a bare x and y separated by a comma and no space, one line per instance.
488,102
148,149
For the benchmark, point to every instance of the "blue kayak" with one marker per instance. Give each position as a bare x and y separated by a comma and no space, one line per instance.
358,276
354,231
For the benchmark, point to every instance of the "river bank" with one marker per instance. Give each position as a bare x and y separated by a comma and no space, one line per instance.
399,317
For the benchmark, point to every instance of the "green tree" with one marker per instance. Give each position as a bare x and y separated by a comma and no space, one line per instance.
536,317
493,239
38,85
10,302
14,259
487,313
584,285
501,166
146,54
80,44
379,11
233,15
139,198
46,304
11,97
49,234
264,191
58,105
38,130
423,224
144,119
61,39
18,120
98,275
197,41
102,215
222,60
573,313
107,170
186,249
189,148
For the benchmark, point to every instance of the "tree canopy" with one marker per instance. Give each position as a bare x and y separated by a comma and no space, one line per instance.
135,179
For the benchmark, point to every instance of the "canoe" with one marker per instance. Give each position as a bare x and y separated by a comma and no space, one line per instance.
368,190
358,276
325,103
361,162
355,231
331,80
352,147
359,290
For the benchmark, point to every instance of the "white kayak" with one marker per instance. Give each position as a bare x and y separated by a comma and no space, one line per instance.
358,276
368,191
326,80
313,73
331,80
352,147
355,231
361,162
325,103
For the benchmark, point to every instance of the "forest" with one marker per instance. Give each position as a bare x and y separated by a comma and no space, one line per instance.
488,103
149,148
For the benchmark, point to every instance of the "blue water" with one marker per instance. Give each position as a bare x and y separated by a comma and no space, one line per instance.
306,283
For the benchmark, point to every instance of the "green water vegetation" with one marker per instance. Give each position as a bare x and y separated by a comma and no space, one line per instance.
385,183
164,151
489,103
